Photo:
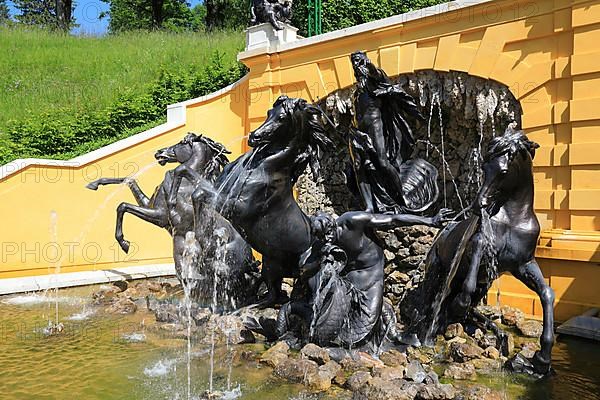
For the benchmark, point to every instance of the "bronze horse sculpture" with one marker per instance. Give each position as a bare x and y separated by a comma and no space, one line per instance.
207,157
500,238
255,192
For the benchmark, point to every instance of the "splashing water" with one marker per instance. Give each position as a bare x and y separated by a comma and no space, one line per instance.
489,250
447,168
189,259
436,98
54,327
219,267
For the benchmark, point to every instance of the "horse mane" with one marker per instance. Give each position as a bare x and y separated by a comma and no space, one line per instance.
312,117
513,142
219,160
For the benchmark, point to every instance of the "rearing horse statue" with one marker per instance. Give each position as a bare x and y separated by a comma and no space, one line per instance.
255,192
501,238
206,157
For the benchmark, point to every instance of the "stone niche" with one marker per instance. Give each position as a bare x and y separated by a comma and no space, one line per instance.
468,110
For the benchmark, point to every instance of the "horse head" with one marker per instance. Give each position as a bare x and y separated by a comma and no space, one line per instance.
508,158
198,151
293,124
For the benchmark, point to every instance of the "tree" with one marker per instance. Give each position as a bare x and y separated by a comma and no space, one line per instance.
52,14
126,15
4,14
40,13
199,17
227,14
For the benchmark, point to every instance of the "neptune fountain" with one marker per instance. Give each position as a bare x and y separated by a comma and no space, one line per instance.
218,211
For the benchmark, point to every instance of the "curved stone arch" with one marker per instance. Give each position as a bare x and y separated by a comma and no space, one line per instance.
469,110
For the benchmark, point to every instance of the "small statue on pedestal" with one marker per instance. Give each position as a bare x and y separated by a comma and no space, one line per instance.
271,11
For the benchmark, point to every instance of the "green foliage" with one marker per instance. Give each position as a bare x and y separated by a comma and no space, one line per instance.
41,13
4,14
67,131
227,14
128,15
339,14
198,17
47,14
85,74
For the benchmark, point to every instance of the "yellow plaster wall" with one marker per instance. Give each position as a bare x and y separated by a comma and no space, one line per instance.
85,219
548,54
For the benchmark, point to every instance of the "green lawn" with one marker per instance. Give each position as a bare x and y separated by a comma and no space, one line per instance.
41,71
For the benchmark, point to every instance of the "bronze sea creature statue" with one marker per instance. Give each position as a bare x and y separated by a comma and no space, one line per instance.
255,192
340,293
500,237
381,144
207,158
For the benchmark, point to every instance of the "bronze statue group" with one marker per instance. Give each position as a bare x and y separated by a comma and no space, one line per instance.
338,262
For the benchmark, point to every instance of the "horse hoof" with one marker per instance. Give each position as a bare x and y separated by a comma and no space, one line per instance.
124,245
92,185
409,339
535,366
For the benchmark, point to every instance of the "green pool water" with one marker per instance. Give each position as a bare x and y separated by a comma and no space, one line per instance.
102,356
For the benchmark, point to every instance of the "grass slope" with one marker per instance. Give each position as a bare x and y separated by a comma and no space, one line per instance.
42,72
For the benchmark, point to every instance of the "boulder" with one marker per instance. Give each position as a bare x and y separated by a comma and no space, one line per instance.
380,389
511,316
436,392
366,360
315,353
357,380
105,294
487,340
389,373
492,352
531,328
464,371
463,352
393,358
122,305
419,354
479,392
415,372
432,378
486,365
276,355
454,330
528,349
320,381
296,370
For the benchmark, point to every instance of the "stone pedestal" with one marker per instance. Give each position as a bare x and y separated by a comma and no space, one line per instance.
264,37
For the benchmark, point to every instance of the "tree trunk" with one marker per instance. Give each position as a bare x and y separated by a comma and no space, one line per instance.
63,14
157,13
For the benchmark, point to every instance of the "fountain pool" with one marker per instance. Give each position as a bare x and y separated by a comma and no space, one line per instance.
107,356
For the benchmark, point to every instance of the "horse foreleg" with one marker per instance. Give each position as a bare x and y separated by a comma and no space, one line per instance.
138,194
531,275
272,275
154,216
462,302
104,181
